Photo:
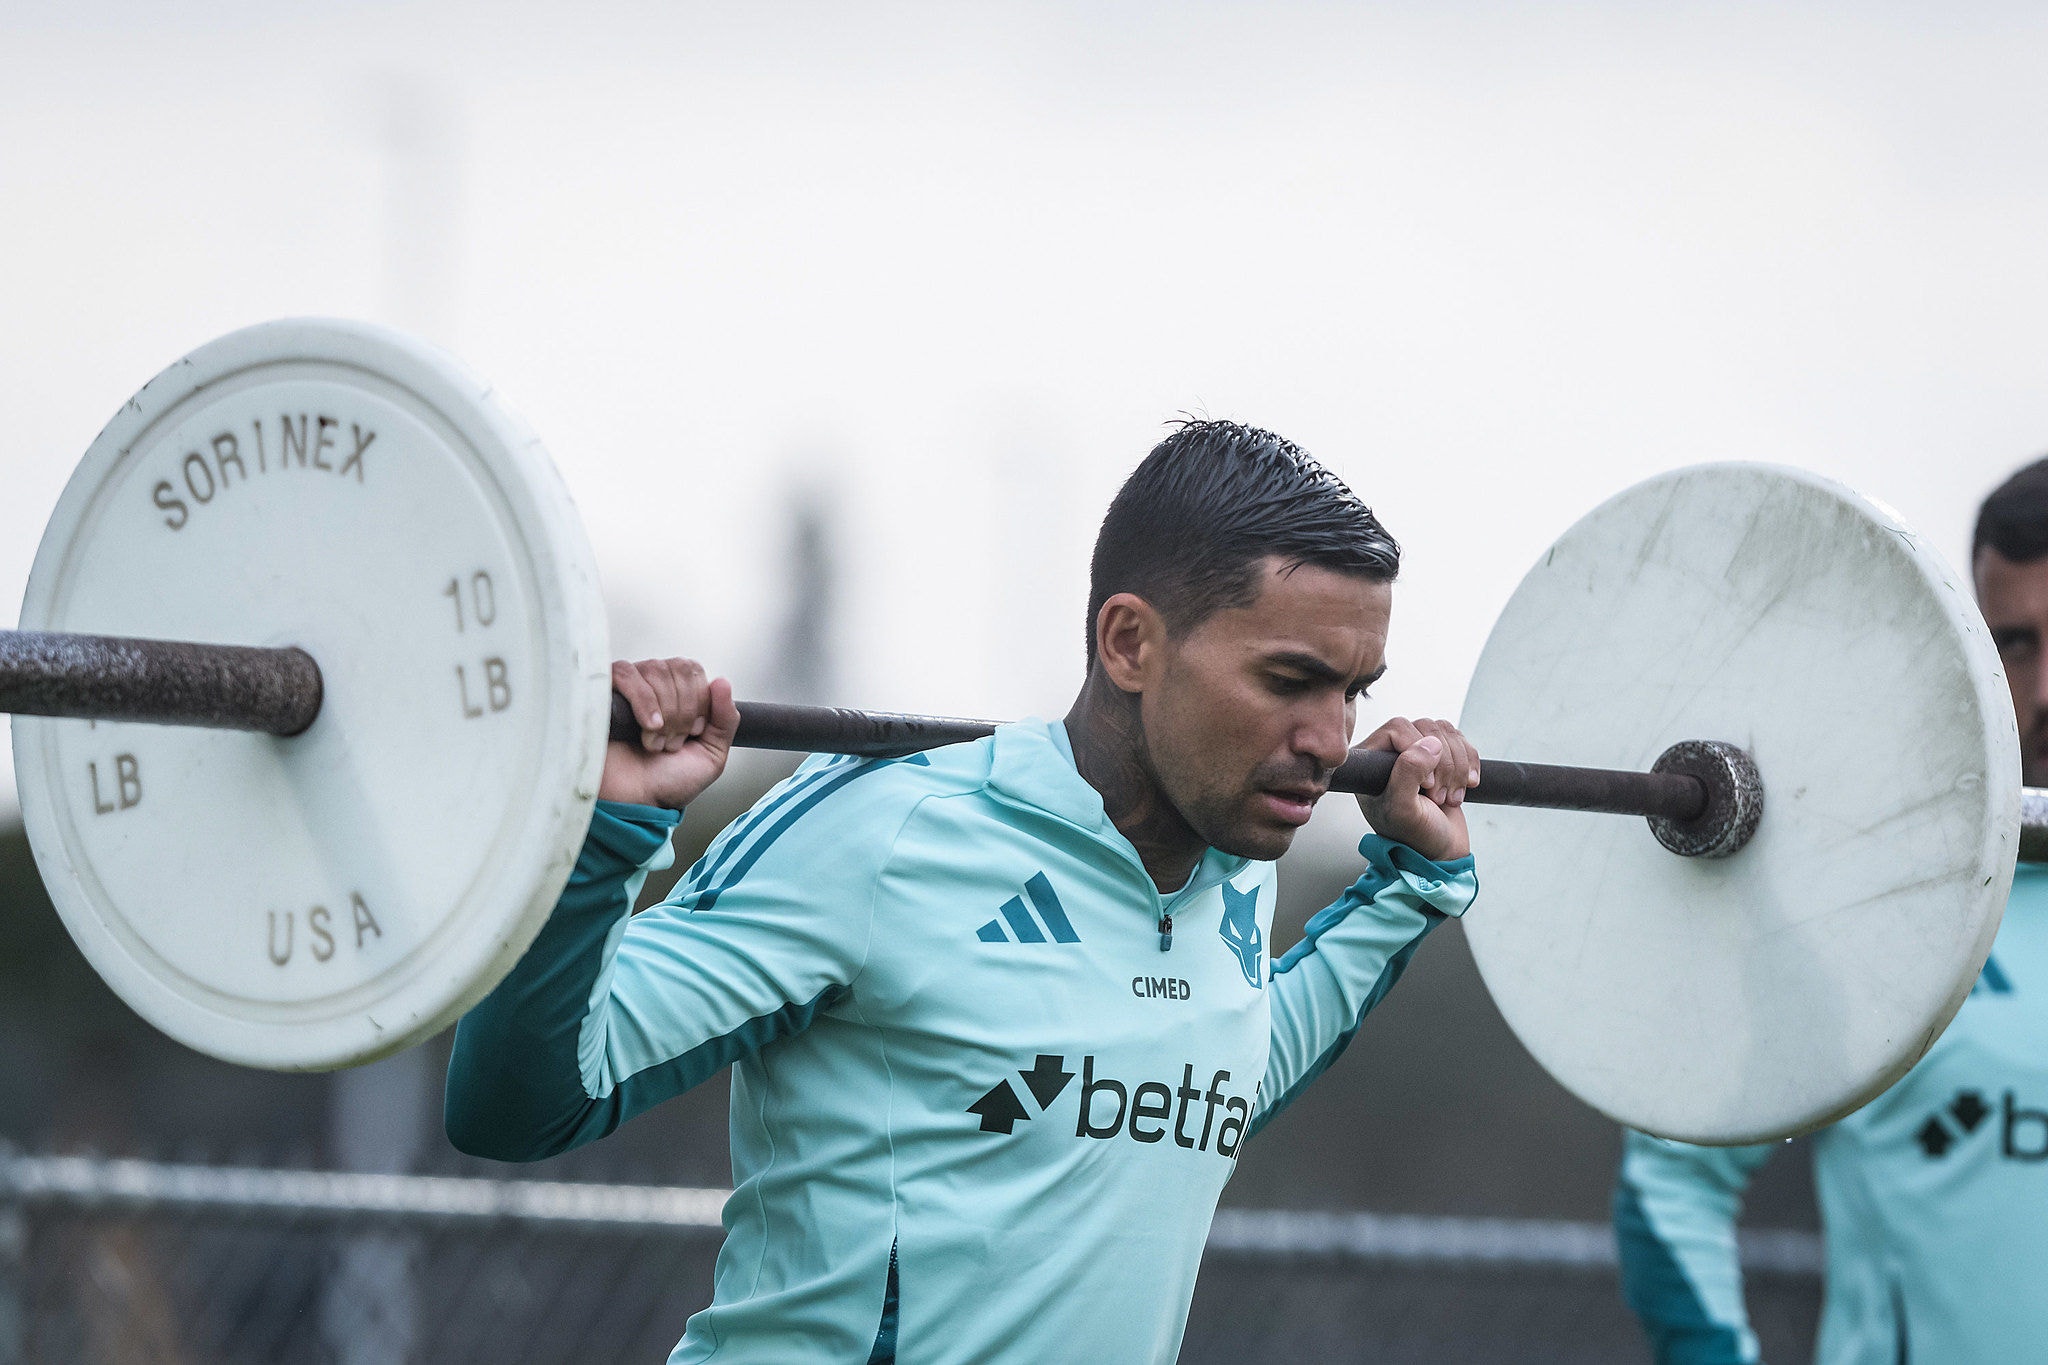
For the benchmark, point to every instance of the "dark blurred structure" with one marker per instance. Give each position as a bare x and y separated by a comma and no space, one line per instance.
803,665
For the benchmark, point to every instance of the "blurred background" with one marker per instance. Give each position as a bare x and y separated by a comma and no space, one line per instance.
843,323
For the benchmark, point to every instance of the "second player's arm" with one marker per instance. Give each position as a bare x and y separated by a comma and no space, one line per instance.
1675,1207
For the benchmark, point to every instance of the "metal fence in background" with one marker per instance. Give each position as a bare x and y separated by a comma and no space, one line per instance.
115,1261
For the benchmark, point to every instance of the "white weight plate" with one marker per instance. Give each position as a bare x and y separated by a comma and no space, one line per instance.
320,901
1771,992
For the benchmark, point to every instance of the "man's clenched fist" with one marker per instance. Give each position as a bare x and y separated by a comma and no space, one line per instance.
1424,803
686,730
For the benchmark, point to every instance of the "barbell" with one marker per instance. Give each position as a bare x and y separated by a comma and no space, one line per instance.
311,698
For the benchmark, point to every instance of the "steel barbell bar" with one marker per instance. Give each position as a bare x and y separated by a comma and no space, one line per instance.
278,691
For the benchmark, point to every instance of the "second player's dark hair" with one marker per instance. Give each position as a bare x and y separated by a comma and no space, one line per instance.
1187,530
2014,519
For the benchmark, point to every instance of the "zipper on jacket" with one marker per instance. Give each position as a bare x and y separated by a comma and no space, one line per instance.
1128,854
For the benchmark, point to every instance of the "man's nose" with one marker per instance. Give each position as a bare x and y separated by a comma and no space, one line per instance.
1325,736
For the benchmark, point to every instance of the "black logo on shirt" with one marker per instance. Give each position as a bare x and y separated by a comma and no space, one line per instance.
2022,1133
1144,1111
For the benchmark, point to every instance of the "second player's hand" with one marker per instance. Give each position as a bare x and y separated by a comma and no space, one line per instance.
1424,803
686,728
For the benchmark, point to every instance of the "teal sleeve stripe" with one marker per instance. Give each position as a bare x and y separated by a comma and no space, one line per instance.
1396,965
515,1091
747,825
645,1089
884,1351
1378,877
1437,890
775,831
1681,1330
621,837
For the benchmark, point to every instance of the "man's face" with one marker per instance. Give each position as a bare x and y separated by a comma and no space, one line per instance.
2014,600
1252,710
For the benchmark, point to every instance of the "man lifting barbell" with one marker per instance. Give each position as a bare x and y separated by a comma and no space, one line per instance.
304,817
1002,1014
1932,1196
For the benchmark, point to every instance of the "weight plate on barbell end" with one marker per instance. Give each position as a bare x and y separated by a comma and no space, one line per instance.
1761,995
320,901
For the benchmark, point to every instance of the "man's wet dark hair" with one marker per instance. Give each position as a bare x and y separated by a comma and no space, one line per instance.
1189,527
2014,519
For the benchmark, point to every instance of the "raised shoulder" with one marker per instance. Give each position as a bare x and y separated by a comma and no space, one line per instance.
831,822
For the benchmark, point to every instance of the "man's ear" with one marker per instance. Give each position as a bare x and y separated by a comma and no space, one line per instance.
1130,641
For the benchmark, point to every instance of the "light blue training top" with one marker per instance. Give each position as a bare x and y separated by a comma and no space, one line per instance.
978,1111
1933,1197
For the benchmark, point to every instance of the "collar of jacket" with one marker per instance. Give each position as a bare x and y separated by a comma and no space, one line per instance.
1034,769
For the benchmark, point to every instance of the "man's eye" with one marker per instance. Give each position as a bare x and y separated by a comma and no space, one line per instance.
1287,686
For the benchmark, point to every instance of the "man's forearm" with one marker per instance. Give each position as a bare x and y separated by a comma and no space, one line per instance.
515,1083
1349,958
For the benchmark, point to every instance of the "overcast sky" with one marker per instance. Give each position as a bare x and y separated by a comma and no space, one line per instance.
950,267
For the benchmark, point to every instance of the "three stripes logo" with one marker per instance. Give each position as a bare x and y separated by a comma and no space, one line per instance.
1051,921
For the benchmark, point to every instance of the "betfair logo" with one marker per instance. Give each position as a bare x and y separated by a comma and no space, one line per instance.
1109,1108
2022,1133
1000,1110
1018,916
1946,1127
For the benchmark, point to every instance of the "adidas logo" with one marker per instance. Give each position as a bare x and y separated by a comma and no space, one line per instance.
1051,922
1143,1111
2022,1133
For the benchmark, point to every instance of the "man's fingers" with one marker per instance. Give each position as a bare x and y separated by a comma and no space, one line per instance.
1457,767
687,725
695,702
678,702
1470,759
1415,769
1396,733
724,715
628,683
1462,764
1450,768
1433,765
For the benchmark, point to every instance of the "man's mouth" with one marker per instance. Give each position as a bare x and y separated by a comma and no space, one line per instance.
1292,805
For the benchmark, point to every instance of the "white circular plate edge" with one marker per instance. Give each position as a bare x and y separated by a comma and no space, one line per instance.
2002,793
571,607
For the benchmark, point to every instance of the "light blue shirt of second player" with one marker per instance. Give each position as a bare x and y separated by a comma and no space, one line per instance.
1933,1197
977,1112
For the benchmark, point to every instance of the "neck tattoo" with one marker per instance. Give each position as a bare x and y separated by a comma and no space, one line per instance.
1108,735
